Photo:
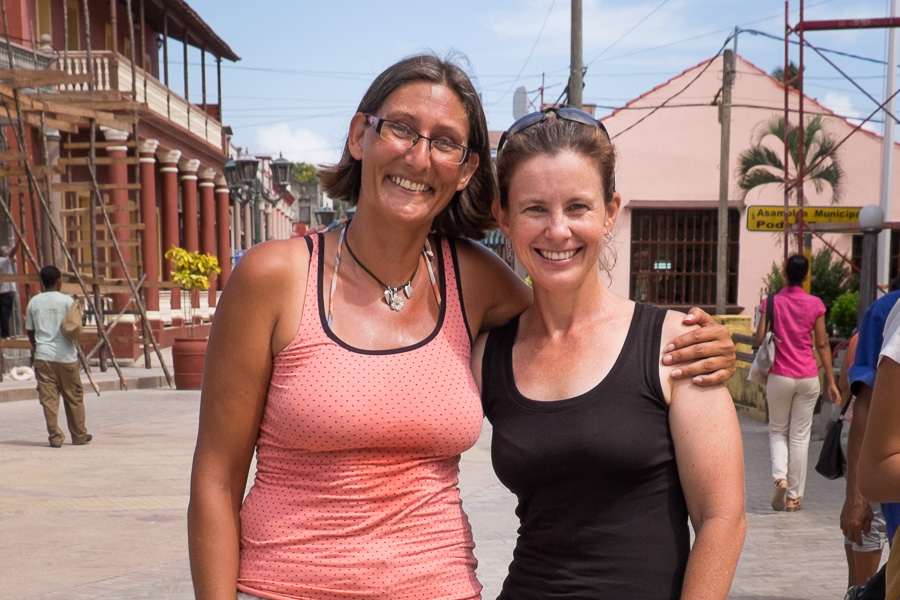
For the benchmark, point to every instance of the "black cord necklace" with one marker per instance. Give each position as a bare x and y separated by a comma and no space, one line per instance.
391,293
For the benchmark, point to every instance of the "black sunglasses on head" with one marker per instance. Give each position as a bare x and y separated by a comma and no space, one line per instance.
565,113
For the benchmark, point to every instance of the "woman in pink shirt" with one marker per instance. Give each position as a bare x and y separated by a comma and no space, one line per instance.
793,385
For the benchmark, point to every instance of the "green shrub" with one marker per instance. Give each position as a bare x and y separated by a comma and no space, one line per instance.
830,277
843,313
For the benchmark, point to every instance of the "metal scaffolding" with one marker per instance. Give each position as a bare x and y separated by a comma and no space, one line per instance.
35,176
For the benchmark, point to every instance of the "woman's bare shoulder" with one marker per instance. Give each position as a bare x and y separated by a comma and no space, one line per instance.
274,261
673,326
265,292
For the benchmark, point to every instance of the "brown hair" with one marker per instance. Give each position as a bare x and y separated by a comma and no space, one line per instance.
552,136
468,213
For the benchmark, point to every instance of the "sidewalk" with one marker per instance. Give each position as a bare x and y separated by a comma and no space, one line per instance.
135,374
106,521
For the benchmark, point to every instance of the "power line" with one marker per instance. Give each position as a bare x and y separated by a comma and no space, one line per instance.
825,113
679,92
621,37
533,46
702,35
796,42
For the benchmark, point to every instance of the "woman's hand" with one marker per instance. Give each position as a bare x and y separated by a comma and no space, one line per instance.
705,354
834,394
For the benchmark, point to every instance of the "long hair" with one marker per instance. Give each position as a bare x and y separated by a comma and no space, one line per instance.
468,213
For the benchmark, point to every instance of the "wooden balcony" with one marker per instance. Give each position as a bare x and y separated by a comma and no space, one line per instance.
113,73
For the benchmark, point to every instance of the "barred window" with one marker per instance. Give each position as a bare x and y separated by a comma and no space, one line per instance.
673,257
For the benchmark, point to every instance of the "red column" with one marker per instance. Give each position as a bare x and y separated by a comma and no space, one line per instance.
149,244
223,231
117,174
189,225
208,220
168,160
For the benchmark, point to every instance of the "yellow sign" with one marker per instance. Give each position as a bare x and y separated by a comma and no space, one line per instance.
771,218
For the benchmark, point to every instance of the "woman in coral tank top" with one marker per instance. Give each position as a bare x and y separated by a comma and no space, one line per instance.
342,359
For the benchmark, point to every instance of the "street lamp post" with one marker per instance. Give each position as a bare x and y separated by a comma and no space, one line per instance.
871,219
245,185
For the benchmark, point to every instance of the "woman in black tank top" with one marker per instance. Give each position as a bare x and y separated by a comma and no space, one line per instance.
608,455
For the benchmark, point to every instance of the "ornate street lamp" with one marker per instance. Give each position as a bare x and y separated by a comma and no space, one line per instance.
282,169
245,185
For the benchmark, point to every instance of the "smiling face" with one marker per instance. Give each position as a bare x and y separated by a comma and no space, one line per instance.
556,218
409,184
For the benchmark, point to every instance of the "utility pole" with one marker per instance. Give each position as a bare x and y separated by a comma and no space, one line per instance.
575,80
724,152
887,151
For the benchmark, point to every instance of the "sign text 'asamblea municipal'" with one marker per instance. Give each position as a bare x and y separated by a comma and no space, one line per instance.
771,218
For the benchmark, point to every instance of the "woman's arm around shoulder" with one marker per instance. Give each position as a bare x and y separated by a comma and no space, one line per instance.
709,453
257,315
492,292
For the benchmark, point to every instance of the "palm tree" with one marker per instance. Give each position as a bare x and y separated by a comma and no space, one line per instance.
761,165
793,73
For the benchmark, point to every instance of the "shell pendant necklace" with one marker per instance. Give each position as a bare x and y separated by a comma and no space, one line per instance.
392,296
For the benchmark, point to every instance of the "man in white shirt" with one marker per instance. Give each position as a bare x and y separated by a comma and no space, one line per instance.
55,360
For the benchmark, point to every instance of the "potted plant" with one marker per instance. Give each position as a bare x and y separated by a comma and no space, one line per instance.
191,271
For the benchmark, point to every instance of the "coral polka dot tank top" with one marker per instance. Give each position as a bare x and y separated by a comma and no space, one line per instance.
355,494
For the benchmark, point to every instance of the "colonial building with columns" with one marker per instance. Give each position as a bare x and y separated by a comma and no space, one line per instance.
107,135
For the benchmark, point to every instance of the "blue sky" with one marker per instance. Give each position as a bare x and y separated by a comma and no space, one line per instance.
306,64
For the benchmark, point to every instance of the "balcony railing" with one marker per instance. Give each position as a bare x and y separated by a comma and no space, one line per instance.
112,72
20,57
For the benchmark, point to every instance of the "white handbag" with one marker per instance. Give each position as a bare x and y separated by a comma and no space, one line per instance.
765,355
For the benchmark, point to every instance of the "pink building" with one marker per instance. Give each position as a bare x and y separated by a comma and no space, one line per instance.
668,175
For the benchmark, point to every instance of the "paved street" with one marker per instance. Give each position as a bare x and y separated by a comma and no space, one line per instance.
107,520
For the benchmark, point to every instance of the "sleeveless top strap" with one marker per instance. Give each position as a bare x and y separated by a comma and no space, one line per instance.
451,320
640,354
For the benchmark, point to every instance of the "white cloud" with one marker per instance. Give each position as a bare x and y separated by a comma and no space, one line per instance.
603,22
842,106
297,145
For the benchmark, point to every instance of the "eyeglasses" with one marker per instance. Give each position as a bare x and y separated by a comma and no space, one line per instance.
403,138
565,113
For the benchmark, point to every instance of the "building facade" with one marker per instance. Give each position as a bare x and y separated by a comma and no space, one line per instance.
103,132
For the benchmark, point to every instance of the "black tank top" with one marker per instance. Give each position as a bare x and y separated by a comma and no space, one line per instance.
600,505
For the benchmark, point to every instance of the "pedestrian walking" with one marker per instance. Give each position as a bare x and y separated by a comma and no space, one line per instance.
862,558
55,360
7,288
793,386
856,514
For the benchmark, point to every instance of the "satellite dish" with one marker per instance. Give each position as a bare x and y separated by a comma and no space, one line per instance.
520,102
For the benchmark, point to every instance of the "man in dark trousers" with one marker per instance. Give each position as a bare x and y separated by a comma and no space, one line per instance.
55,360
